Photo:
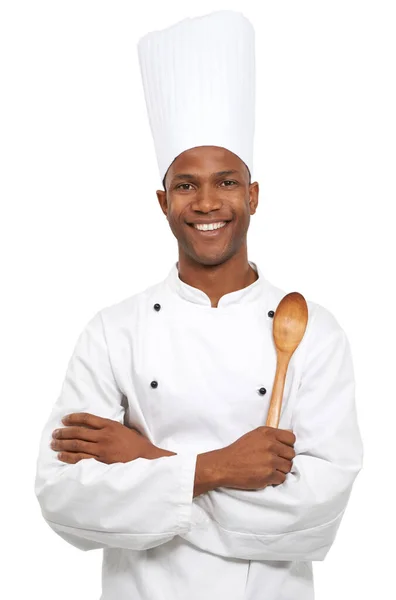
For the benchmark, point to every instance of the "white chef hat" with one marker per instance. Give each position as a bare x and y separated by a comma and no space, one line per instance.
199,84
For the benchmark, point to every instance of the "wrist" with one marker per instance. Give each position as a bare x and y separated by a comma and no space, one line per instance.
208,472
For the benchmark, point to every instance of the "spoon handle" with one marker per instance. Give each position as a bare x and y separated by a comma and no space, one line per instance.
277,390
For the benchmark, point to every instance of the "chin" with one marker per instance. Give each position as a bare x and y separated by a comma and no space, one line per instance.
211,261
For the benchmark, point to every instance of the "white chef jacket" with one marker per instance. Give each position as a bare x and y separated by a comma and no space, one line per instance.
193,378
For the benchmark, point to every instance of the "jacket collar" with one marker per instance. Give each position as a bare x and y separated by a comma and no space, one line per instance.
246,295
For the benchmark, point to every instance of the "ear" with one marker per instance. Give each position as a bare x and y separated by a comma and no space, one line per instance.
161,195
253,197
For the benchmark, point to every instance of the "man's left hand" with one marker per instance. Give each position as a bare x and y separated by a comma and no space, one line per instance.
90,436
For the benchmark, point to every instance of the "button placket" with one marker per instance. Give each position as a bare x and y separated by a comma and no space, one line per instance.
157,308
262,390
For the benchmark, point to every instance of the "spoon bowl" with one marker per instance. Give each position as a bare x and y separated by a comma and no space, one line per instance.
290,322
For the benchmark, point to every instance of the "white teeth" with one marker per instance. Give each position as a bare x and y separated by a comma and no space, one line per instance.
209,226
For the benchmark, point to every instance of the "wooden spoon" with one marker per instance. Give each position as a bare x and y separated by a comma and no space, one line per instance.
290,322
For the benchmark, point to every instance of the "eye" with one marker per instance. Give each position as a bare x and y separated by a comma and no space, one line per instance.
228,181
181,185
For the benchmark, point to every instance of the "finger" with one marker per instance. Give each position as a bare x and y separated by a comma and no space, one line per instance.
73,457
76,433
284,451
278,477
75,446
85,419
285,436
283,465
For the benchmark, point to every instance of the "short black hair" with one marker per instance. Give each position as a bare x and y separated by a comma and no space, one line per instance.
250,177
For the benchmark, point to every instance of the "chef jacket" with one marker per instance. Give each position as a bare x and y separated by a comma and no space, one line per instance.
194,378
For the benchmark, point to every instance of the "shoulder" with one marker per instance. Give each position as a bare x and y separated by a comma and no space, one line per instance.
125,313
131,308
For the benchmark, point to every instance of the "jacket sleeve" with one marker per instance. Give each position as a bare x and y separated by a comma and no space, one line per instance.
135,505
298,519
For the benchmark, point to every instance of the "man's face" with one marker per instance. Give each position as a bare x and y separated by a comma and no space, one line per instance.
208,184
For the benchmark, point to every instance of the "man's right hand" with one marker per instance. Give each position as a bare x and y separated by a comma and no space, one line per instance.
259,458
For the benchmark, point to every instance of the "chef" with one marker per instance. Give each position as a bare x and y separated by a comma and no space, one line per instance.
156,450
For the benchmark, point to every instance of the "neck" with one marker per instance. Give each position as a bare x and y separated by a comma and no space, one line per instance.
217,280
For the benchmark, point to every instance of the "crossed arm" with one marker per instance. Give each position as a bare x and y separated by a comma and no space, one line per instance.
88,436
143,495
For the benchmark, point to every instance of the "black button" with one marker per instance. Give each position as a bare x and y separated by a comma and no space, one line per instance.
262,391
271,313
157,306
154,384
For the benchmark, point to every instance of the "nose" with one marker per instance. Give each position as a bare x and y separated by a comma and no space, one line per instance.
206,201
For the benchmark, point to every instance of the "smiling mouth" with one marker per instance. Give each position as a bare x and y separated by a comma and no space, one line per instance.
209,229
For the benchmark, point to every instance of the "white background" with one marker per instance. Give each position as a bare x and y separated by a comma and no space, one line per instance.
81,229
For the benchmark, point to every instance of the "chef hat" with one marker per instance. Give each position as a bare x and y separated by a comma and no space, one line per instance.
199,84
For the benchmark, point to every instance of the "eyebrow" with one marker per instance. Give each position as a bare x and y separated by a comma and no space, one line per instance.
192,176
